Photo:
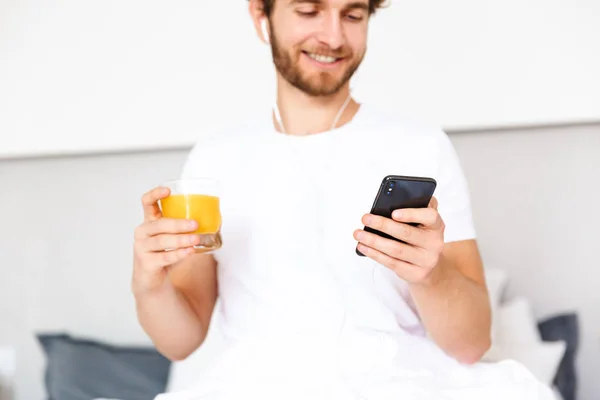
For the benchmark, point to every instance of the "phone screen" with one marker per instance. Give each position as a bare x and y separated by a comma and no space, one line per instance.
398,192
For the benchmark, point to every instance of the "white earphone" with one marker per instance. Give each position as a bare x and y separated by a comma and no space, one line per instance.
265,31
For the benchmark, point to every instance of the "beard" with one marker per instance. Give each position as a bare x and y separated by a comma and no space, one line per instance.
320,84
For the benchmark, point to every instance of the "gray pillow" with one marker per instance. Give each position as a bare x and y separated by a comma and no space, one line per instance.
80,369
564,327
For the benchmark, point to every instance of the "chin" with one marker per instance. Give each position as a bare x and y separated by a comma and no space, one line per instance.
320,89
323,84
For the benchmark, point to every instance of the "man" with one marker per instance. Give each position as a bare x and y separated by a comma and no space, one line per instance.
303,315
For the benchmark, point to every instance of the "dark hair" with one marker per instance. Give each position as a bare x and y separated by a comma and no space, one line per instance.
373,6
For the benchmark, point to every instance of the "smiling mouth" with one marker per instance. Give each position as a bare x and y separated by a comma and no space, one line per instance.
322,58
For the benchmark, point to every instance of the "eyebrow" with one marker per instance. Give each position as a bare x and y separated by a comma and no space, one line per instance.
306,1
352,6
357,5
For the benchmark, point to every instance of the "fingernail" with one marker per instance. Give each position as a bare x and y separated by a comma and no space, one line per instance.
360,236
193,224
397,214
368,219
362,249
193,239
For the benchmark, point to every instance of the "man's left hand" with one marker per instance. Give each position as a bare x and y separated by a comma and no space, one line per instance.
414,260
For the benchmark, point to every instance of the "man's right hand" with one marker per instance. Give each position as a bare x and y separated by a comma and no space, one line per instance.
153,237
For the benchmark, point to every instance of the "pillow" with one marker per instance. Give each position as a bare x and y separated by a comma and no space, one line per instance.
515,323
516,337
564,327
84,369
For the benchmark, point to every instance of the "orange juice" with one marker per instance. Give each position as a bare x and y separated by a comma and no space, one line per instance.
200,207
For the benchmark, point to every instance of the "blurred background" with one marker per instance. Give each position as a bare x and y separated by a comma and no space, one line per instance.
100,101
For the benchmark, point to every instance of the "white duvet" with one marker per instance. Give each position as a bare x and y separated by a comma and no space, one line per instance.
356,365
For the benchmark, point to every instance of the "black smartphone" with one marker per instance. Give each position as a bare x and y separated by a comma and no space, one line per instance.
398,192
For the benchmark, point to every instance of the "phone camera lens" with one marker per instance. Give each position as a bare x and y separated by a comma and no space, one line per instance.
390,187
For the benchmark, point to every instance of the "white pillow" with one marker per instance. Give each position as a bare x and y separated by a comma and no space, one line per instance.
516,324
516,337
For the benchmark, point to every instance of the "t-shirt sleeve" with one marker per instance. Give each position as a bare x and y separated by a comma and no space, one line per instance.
454,204
199,163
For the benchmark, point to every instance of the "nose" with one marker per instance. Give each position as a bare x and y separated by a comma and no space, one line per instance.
332,33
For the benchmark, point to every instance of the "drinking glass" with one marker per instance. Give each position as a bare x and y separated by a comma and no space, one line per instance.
196,199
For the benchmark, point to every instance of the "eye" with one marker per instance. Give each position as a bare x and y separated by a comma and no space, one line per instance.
354,17
307,12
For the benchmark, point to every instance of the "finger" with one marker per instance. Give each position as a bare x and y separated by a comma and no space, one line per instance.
167,258
170,242
433,203
427,217
410,234
168,225
150,202
408,272
392,248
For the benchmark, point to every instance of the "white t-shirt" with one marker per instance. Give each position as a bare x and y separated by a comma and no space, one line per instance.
290,205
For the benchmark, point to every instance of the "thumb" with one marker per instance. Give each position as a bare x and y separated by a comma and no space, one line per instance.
433,203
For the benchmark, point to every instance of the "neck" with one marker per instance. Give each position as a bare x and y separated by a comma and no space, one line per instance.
302,114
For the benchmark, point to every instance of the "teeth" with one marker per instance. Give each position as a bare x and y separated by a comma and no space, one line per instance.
322,59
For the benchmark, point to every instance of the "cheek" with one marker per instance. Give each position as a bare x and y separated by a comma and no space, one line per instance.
357,40
299,35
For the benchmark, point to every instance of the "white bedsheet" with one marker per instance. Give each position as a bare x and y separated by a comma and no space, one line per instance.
356,365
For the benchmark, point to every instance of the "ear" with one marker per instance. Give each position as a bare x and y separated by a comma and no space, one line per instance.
259,19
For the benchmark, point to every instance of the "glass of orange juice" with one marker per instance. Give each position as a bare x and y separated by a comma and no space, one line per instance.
196,199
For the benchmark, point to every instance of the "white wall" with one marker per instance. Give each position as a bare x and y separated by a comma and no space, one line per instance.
67,232
66,245
111,75
536,197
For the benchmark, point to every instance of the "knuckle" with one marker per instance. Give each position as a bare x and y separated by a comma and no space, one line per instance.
396,266
163,242
397,250
406,231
